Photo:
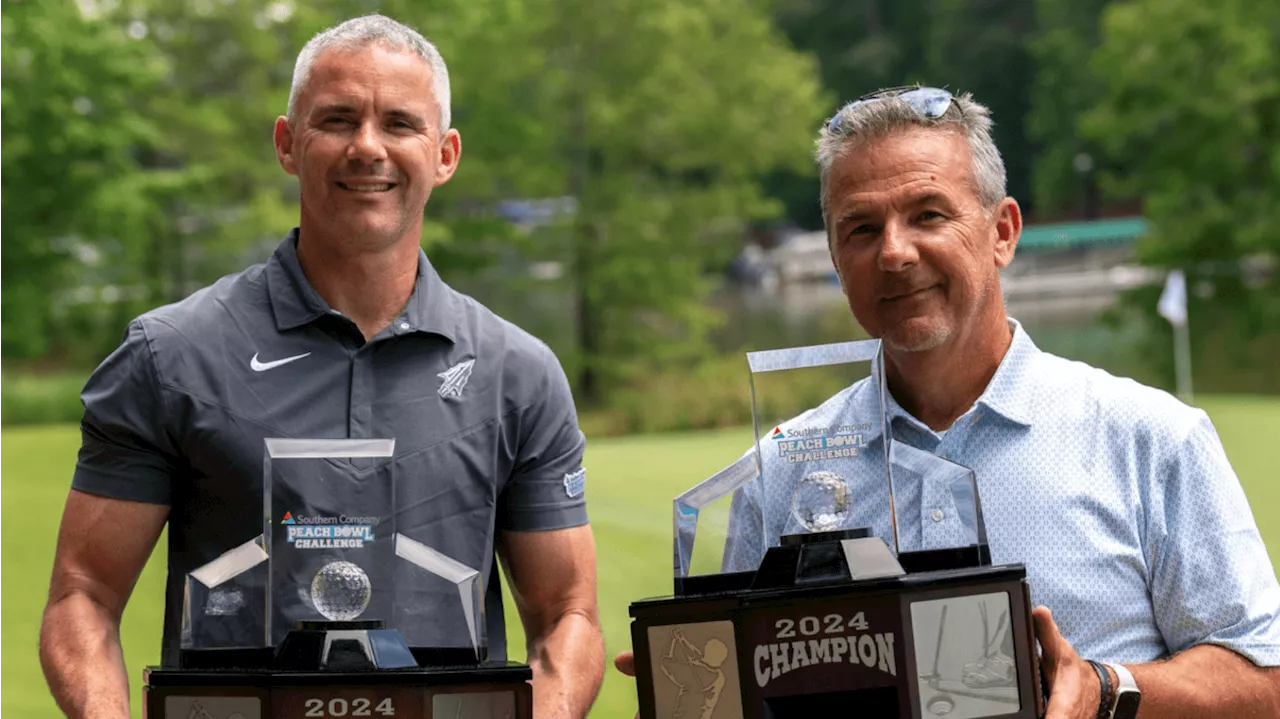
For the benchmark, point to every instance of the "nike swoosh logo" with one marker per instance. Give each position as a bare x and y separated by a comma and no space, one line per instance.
257,366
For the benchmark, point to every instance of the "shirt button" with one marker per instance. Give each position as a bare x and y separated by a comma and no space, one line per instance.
938,515
404,325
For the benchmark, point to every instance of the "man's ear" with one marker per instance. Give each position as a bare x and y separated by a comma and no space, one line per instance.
282,136
1008,231
450,155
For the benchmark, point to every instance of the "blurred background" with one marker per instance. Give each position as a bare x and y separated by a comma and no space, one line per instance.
637,189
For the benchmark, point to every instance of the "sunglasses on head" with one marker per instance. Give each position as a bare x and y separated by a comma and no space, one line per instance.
930,102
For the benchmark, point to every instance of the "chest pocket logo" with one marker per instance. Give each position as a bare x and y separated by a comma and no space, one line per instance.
455,379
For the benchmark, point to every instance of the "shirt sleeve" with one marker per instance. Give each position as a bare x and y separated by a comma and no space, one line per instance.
745,544
1211,579
547,488
126,451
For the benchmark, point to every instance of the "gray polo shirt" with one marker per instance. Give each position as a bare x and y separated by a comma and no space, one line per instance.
178,413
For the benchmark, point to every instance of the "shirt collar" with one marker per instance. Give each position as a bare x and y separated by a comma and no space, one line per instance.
1010,393
294,302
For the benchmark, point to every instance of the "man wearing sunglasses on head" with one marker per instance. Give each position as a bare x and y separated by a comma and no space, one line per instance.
1117,497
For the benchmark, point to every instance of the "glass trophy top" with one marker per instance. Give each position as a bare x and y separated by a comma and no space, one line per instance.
329,552
823,465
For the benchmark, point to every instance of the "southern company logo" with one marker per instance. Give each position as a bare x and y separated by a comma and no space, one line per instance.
811,444
328,532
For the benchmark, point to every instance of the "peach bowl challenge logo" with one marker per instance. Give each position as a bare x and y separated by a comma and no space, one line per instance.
328,532
813,444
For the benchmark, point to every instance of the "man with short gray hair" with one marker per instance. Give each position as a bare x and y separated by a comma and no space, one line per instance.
347,331
1117,497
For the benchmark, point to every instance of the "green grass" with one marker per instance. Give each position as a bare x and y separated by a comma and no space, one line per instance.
632,482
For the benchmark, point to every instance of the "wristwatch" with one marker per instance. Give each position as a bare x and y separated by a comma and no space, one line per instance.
1127,695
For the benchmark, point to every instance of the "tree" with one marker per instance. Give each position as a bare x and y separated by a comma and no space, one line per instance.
983,48
674,113
655,117
1189,117
1067,35
1190,113
74,126
227,81
862,46
859,47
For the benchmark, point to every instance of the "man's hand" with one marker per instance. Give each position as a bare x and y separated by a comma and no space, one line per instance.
1074,689
626,663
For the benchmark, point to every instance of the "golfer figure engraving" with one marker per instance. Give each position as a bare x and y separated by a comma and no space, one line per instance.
698,673
198,711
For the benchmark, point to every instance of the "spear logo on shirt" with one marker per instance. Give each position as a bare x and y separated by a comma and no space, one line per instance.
455,378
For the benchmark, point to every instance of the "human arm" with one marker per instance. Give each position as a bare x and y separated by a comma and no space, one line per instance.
113,516
1213,590
553,583
1205,680
103,545
547,549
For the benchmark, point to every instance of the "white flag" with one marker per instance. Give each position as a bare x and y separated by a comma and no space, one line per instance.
1173,301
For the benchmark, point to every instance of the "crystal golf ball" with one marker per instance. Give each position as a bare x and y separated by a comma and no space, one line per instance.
341,591
823,501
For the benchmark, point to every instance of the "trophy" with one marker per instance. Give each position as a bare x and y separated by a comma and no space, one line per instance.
799,591
333,610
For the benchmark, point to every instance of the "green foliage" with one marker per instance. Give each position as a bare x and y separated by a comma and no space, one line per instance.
964,46
712,394
75,126
1067,35
659,117
227,81
1233,338
40,398
683,112
983,48
1190,117
1191,112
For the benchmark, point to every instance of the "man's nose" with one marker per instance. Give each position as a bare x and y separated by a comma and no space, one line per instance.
897,248
366,144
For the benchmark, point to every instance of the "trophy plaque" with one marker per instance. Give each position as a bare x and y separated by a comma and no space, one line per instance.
321,613
832,572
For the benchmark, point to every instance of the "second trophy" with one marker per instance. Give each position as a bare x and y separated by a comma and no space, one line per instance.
834,571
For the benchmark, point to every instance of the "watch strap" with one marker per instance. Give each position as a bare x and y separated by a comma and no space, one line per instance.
1128,696
1107,695
1124,678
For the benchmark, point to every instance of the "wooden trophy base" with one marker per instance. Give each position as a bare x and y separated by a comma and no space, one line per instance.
497,691
927,644
349,669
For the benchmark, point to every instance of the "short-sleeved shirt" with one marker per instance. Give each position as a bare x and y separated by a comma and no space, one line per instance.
486,433
1118,498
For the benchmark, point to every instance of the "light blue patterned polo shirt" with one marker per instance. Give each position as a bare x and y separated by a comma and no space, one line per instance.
1117,497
